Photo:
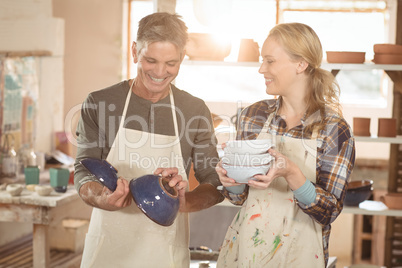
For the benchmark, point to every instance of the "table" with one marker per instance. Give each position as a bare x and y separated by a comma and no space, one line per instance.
42,211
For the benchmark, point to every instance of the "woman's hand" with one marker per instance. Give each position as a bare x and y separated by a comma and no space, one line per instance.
97,195
225,180
175,181
281,167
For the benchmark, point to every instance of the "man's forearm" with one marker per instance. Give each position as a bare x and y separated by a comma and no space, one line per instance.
90,193
202,197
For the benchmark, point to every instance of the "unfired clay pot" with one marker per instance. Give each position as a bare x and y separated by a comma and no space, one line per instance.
387,58
387,49
248,51
386,127
202,46
392,200
361,126
345,57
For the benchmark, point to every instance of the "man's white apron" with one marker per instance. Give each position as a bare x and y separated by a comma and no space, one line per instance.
270,229
128,238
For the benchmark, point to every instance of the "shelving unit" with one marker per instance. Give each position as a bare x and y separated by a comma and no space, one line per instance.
396,140
392,224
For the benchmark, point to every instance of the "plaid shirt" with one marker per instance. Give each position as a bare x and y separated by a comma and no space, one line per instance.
335,159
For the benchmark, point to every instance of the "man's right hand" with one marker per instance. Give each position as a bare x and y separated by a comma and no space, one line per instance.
97,195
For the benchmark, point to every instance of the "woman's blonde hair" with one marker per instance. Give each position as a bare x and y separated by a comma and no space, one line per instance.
301,42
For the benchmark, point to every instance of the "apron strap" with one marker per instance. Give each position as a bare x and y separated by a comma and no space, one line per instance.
173,108
265,128
176,128
123,115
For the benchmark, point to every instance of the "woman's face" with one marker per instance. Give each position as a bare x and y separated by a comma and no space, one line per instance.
158,65
279,70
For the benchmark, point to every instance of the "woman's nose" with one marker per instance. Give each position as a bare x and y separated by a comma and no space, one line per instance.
262,69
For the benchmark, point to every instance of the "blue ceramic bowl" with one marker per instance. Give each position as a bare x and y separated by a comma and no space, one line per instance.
102,170
357,192
155,198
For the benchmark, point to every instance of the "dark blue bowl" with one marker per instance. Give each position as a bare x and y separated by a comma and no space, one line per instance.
155,198
357,192
102,170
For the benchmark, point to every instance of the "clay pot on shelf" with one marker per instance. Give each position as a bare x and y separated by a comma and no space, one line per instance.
345,57
387,58
361,126
386,127
248,51
392,200
202,46
387,49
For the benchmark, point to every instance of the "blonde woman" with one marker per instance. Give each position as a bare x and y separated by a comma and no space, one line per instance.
286,215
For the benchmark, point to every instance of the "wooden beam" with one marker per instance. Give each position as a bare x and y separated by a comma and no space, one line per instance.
398,39
24,213
394,151
40,246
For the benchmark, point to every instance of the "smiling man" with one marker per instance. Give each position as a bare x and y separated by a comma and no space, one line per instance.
142,126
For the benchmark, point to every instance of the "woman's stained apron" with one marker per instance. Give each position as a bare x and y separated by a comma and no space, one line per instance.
270,230
128,238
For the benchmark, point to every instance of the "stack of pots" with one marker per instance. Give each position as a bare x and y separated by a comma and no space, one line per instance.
387,54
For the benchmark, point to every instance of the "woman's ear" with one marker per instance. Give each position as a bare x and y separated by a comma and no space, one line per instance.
134,52
301,66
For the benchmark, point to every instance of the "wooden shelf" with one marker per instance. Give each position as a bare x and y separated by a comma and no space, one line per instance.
360,211
396,140
362,66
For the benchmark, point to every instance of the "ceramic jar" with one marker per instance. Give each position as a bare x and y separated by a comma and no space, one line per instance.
386,127
361,126
31,175
59,178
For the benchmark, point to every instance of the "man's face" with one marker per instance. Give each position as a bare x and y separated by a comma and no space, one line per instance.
158,65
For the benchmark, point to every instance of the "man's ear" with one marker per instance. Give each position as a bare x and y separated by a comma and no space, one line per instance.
301,66
134,52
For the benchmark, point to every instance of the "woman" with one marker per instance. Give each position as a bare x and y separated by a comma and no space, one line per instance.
286,215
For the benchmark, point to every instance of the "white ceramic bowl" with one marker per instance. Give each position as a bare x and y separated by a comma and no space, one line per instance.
247,146
246,159
242,174
43,190
14,189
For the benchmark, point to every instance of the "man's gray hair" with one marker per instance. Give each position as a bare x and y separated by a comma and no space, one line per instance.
162,27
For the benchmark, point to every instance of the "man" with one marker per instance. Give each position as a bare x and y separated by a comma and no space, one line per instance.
141,126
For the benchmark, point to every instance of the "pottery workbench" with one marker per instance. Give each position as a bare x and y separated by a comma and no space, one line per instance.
42,211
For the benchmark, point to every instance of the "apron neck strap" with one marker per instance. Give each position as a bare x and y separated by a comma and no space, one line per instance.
265,128
176,128
123,115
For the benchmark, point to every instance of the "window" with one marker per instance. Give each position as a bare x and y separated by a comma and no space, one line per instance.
341,25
